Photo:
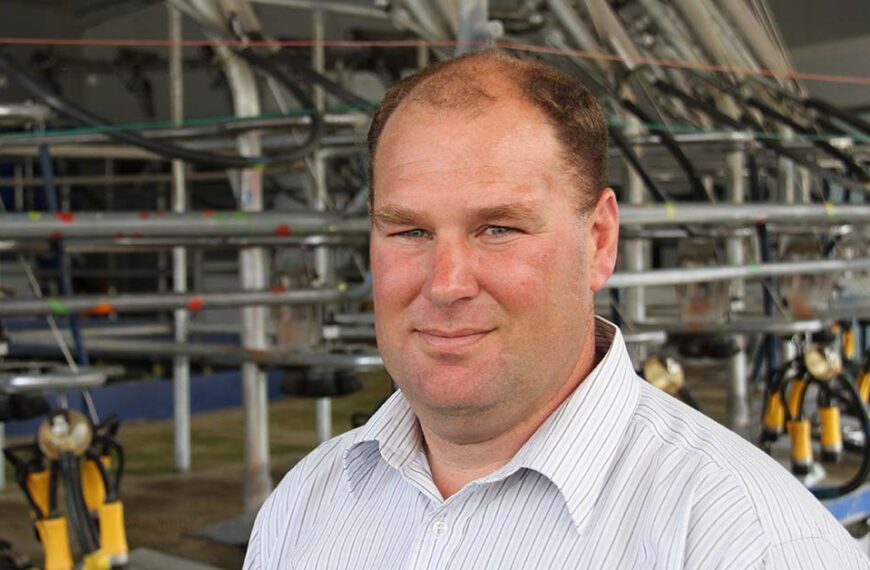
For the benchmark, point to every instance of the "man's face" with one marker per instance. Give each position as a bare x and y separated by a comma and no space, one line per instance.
483,270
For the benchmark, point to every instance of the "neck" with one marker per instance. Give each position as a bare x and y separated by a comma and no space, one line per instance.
455,463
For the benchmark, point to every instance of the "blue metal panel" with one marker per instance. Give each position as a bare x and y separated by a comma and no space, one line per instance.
152,400
855,504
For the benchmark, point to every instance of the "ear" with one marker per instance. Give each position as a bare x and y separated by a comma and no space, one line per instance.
603,239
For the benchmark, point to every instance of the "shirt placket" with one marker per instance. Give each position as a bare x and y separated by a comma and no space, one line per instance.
442,531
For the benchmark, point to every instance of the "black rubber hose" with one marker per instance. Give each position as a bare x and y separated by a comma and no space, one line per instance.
746,123
769,348
849,162
119,469
848,118
111,493
302,70
851,165
22,470
687,398
864,469
69,109
809,380
782,386
53,474
600,87
633,159
170,151
755,189
63,275
315,131
673,147
822,121
78,514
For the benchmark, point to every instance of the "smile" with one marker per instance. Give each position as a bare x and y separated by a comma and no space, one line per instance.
451,341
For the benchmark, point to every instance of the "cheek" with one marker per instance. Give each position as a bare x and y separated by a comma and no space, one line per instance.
395,278
520,279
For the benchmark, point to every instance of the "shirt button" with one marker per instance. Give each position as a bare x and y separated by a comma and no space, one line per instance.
440,528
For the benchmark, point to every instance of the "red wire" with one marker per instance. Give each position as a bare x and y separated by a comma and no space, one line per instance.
603,56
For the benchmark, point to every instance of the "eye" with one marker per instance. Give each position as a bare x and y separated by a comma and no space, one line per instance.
497,231
416,233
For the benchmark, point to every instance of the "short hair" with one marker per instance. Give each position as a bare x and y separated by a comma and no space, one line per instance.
571,109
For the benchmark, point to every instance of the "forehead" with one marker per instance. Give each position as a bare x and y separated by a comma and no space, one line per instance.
507,139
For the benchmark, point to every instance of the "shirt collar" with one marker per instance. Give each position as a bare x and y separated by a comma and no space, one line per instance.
574,448
393,431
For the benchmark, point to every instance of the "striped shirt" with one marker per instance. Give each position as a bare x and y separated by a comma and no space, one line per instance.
621,475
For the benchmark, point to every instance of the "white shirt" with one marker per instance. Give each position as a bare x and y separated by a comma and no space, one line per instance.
621,475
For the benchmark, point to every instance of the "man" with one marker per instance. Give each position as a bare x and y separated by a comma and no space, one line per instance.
521,436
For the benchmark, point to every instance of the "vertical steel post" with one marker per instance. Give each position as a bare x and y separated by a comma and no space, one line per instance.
805,182
323,258
422,56
472,31
162,257
253,271
738,405
787,175
3,465
634,301
180,364
17,205
111,258
18,177
253,267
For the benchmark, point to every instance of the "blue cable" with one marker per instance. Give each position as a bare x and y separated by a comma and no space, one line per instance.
52,199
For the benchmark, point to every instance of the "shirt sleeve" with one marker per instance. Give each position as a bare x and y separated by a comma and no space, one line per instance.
814,554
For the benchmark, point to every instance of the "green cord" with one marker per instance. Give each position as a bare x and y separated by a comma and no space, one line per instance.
223,120
203,121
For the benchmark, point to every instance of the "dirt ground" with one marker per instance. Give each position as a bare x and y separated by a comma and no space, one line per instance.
163,507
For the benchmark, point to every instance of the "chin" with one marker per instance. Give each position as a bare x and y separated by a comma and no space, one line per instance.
451,389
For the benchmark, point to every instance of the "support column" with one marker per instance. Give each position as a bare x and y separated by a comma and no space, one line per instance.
738,404
422,56
2,466
324,262
787,176
253,270
178,198
253,267
634,301
806,181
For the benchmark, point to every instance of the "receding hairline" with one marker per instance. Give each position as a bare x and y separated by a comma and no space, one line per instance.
475,82
470,83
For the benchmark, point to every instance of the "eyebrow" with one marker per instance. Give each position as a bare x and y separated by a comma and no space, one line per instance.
513,212
395,216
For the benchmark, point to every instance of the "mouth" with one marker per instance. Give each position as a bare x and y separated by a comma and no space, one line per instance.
451,341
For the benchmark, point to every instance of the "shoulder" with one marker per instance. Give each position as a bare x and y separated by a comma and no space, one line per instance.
812,552
737,492
318,476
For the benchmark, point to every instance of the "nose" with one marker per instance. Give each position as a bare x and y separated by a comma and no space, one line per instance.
452,273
